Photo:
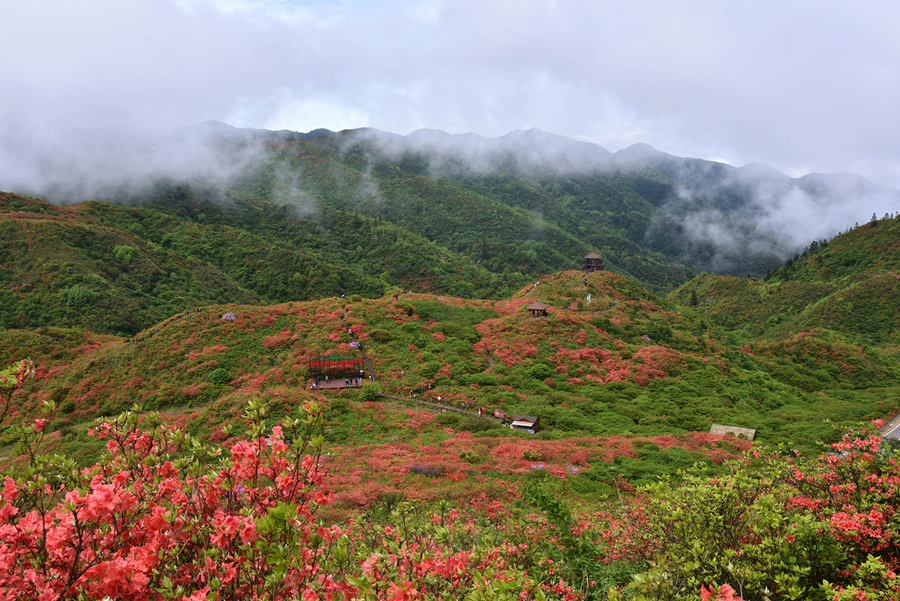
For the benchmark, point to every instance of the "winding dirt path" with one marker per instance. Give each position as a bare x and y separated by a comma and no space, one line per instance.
441,407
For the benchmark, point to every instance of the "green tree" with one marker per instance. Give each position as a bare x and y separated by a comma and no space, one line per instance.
123,253
78,296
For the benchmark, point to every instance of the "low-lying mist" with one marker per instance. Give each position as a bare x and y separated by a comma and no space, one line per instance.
714,217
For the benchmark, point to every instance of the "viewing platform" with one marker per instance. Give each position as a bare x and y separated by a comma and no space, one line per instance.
333,383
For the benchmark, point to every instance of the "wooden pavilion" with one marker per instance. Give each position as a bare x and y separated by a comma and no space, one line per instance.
336,366
538,309
592,262
529,423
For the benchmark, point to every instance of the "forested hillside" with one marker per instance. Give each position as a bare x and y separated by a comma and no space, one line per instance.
848,285
120,269
532,203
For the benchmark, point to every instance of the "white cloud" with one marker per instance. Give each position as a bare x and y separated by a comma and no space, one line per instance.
798,85
298,114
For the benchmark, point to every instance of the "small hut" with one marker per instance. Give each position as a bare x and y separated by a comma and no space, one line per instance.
529,423
538,309
592,262
745,433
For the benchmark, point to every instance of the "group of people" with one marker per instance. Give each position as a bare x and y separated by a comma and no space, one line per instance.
347,382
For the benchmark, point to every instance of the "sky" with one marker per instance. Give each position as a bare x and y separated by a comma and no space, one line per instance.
803,86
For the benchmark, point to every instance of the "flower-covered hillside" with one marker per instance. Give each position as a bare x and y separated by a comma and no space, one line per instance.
608,359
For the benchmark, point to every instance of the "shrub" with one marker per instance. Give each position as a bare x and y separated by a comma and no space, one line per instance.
369,391
470,456
78,296
339,406
408,308
532,455
429,369
97,528
447,419
540,371
219,375
123,253
473,424
792,522
380,336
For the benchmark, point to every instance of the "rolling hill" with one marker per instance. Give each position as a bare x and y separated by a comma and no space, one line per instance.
848,286
205,316
611,362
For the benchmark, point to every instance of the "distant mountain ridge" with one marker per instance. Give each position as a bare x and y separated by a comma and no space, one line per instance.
528,202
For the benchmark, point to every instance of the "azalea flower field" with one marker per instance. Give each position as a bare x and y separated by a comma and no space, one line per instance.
164,515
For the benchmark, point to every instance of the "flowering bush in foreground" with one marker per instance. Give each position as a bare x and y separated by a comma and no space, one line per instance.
164,516
780,527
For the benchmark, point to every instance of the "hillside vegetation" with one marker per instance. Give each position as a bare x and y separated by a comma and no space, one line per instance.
121,269
848,285
159,419
626,385
611,362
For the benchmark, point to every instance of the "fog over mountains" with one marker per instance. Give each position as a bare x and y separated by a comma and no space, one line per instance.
708,214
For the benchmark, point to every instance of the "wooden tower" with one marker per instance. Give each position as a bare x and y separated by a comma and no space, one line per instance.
592,262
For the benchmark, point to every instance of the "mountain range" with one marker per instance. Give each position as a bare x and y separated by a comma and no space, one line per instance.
655,217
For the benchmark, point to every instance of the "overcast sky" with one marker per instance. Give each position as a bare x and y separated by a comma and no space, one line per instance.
801,85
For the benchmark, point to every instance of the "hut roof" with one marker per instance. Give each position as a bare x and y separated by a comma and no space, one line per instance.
538,306
720,430
892,430
592,255
524,421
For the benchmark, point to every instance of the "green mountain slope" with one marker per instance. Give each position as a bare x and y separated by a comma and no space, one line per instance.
527,203
509,222
63,266
849,285
523,221
121,269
